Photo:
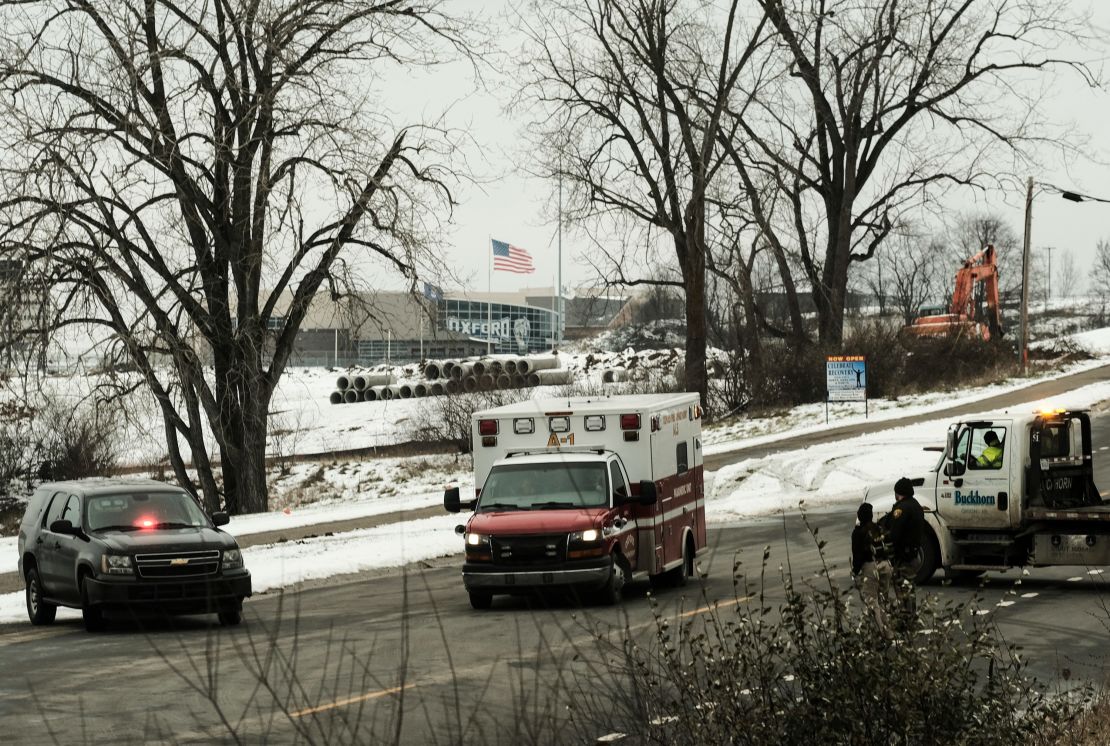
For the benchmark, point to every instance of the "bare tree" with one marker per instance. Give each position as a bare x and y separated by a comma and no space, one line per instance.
1067,278
890,100
191,175
631,95
912,273
974,232
1100,274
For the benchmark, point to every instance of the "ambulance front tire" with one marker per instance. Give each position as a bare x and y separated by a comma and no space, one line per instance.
611,592
480,600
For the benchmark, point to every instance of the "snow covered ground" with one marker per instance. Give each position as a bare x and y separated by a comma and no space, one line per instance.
817,477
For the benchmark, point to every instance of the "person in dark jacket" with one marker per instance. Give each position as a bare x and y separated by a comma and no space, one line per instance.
870,567
905,528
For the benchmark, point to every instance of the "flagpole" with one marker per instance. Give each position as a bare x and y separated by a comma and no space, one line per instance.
559,274
489,294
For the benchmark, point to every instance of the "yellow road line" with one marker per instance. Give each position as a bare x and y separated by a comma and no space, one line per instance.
395,689
351,700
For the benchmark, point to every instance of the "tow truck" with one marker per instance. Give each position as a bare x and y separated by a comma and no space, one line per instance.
589,493
1034,505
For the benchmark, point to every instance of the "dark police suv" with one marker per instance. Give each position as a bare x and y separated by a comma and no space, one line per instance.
98,544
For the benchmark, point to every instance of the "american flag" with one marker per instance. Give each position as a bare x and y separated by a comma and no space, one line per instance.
511,258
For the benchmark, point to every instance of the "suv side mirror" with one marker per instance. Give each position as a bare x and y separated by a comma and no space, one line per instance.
220,518
648,494
64,527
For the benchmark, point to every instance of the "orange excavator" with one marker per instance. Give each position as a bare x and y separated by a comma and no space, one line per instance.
964,315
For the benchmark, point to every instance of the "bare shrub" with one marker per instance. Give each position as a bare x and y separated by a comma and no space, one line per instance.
446,419
77,443
813,669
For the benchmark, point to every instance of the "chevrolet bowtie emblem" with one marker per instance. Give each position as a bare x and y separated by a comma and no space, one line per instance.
180,561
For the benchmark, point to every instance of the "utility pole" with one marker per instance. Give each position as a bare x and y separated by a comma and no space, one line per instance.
559,275
1023,347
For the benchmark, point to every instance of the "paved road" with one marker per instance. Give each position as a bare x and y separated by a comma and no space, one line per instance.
361,649
358,645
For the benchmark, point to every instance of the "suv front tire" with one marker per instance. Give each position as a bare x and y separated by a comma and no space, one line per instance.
38,611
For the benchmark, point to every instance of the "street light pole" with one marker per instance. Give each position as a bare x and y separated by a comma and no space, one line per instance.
1023,347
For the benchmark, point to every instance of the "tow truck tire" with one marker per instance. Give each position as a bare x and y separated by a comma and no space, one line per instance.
38,611
930,558
611,591
480,600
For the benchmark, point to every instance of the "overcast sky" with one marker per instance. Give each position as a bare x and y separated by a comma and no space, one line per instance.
509,206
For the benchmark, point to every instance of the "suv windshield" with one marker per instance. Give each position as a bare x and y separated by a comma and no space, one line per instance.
136,511
544,486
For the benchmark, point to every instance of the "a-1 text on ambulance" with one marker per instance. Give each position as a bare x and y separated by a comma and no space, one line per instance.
586,492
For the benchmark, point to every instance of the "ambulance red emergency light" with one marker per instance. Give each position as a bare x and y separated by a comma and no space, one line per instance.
585,492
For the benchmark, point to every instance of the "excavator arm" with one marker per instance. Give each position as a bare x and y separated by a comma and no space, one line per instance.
963,315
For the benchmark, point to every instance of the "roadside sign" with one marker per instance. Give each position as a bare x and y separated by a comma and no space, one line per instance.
846,377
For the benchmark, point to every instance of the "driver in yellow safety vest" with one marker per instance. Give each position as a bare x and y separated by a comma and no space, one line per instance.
991,457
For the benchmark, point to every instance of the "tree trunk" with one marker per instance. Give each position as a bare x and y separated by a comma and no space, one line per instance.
692,260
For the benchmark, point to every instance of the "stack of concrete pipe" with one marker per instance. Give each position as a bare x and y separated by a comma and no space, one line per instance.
453,376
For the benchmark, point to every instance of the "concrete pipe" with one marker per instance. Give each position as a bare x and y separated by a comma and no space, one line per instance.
518,381
336,397
359,383
553,377
532,379
370,394
509,366
446,367
480,366
613,375
379,392
342,383
532,364
404,391
388,392
350,396
504,381
420,390
437,389
496,368
462,370
432,371
452,386
379,379
486,382
470,384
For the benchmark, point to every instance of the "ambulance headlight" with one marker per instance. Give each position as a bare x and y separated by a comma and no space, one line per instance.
477,540
585,537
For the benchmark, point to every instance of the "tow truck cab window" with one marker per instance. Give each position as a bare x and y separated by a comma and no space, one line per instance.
620,487
988,448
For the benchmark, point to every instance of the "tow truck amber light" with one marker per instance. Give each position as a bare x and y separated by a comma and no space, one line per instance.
630,422
487,427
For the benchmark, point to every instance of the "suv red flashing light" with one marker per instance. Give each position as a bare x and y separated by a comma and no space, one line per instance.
630,422
487,427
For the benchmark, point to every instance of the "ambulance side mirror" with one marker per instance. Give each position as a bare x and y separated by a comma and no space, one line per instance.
452,503
648,495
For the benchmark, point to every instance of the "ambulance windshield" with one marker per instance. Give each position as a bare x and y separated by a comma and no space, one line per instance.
545,486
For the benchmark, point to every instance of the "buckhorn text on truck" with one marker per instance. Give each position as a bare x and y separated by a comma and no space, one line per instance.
587,492
1014,490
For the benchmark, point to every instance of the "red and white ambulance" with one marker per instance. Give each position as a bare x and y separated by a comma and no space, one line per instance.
589,492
